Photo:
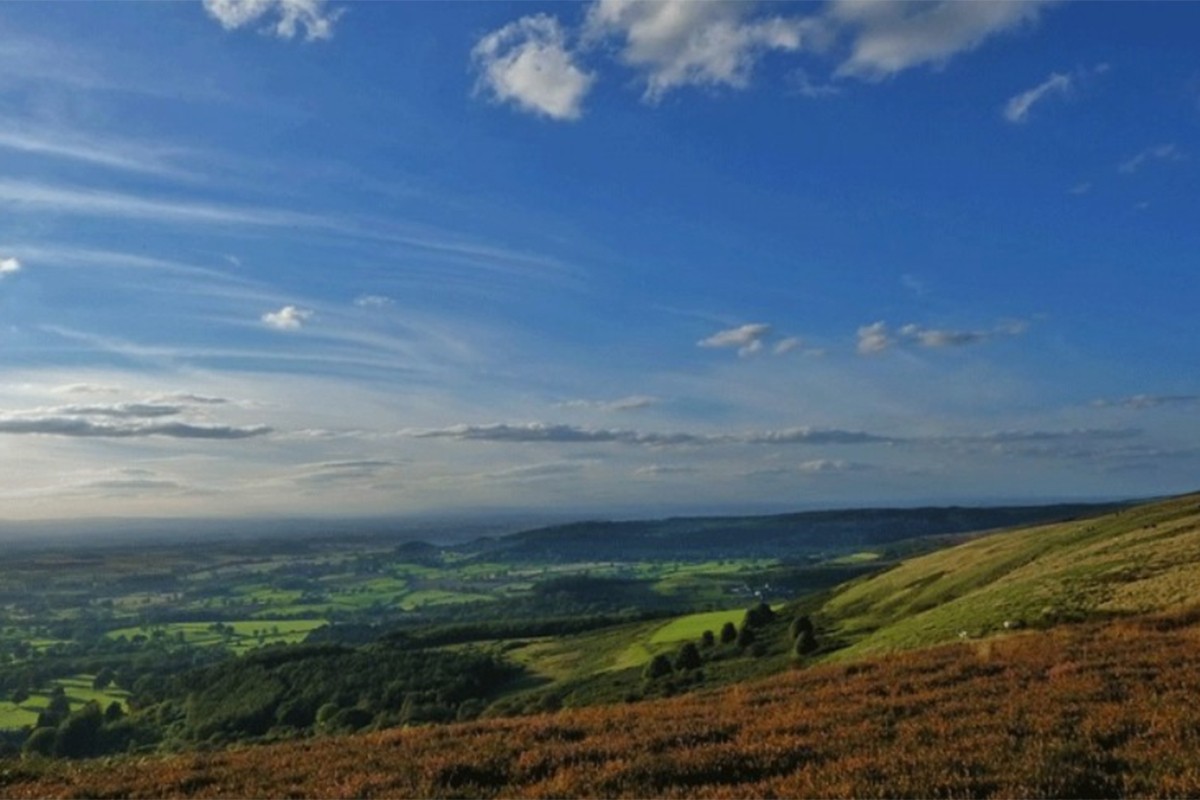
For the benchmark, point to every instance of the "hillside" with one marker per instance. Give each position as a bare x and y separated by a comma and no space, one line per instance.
777,536
1079,711
1142,558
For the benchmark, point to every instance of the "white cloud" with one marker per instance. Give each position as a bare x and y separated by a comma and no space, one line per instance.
290,16
748,339
1080,188
553,433
631,403
806,87
1016,110
373,301
893,36
824,466
9,265
1162,152
143,157
74,426
527,63
787,345
1144,401
934,337
680,42
288,318
874,338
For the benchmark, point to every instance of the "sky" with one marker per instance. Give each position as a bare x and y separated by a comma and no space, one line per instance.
618,258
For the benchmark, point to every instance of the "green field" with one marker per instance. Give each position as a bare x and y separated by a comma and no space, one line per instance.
78,689
239,635
691,627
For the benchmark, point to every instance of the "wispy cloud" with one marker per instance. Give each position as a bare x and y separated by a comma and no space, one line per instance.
97,150
69,426
25,195
1016,110
9,265
1162,152
528,63
1144,401
806,86
874,338
631,403
373,301
889,37
285,17
120,410
877,337
539,432
288,318
746,339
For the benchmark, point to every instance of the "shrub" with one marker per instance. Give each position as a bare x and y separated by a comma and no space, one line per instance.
658,667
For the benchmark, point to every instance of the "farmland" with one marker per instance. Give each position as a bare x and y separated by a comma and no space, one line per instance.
257,641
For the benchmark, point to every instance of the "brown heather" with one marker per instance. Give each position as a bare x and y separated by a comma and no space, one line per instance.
1099,709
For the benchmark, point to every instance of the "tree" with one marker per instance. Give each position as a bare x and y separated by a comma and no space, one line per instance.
40,742
103,679
800,625
688,657
745,637
77,736
326,713
758,616
729,633
658,667
114,711
707,639
806,643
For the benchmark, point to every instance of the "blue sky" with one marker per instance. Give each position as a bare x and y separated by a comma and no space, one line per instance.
611,257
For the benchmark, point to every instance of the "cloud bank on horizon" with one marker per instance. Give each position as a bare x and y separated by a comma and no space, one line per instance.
616,257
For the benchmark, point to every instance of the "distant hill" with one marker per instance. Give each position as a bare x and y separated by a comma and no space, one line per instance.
1133,560
777,536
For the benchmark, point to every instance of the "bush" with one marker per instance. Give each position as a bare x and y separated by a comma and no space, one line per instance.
801,625
729,633
745,637
688,657
658,667
758,616
40,742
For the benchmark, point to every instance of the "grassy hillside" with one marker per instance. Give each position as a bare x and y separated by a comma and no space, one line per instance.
1143,558
1092,710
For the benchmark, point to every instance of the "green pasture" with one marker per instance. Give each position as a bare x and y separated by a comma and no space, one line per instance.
692,626
79,691
243,634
